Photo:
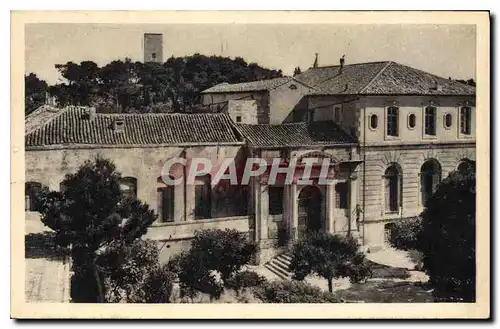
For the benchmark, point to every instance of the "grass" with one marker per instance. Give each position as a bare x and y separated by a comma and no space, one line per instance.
381,271
386,292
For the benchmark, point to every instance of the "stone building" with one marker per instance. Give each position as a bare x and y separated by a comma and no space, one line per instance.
411,128
387,132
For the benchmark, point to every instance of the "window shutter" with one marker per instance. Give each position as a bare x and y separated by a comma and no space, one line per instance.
387,193
159,201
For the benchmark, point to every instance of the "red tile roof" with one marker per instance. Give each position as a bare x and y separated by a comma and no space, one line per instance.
261,85
380,78
295,134
71,126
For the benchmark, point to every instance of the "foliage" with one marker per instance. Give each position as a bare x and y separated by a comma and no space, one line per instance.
329,256
447,240
35,91
126,86
285,291
404,233
470,82
91,216
126,267
244,279
225,251
158,286
357,269
214,257
196,276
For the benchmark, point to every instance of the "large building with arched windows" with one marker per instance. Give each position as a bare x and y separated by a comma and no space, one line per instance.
388,134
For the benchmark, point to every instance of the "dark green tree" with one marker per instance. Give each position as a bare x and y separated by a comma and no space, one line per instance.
92,218
35,91
448,237
329,256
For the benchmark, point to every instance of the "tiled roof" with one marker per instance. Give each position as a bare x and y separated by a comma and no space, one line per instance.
380,78
261,85
295,134
71,126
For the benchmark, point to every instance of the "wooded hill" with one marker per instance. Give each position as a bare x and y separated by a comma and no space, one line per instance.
126,86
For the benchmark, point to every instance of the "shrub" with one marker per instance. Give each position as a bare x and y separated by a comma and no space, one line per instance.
404,233
158,285
244,279
447,240
225,251
292,292
358,269
329,256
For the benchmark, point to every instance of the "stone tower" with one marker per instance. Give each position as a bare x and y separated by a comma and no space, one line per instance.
153,47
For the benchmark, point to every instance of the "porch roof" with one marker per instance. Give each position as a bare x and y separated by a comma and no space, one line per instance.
295,134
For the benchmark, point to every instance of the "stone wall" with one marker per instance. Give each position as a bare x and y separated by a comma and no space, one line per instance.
218,102
410,160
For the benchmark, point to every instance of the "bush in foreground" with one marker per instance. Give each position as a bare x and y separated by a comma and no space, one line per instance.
405,232
292,292
448,240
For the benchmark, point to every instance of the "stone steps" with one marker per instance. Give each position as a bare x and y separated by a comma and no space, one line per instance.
280,266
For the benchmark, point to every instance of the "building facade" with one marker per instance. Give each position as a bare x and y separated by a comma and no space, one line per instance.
388,134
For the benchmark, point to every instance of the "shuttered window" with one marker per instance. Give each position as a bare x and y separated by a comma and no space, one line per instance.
392,189
392,121
430,120
166,203
341,193
203,197
275,200
465,120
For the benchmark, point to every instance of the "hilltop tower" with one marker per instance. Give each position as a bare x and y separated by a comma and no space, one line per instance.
153,47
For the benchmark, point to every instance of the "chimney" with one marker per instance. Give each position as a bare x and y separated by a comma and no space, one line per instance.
342,60
316,61
119,125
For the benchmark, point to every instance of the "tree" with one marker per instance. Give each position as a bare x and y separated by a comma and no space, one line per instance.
212,261
35,91
329,256
447,240
91,216
405,232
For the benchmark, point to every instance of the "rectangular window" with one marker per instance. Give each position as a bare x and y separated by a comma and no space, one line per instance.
430,120
275,200
309,116
341,193
392,121
465,120
203,200
238,118
166,204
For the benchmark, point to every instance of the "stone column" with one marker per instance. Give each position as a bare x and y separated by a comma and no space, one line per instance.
330,206
353,200
294,216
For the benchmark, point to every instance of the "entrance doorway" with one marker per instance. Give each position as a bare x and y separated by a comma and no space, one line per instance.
309,211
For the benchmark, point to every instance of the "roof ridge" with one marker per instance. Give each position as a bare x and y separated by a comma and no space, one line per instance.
389,63
338,65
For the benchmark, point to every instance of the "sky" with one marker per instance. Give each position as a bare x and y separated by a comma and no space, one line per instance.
444,50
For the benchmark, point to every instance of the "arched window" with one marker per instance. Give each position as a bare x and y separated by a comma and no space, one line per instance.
430,176
203,197
392,188
128,186
387,233
166,200
31,194
412,121
373,121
